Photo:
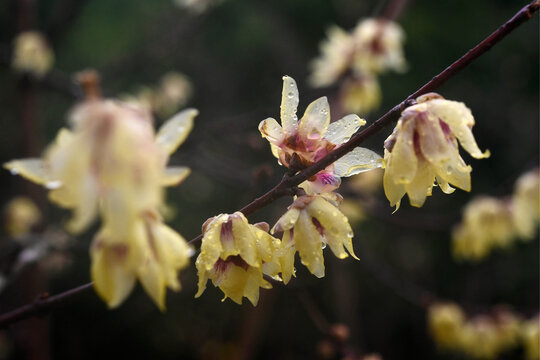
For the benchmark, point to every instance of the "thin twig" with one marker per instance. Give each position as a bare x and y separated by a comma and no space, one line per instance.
288,183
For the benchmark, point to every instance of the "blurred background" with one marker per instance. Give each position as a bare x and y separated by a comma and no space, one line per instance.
234,54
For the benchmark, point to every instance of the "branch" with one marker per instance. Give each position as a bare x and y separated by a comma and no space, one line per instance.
289,183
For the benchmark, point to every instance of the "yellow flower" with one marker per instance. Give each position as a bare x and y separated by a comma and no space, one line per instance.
32,54
235,255
110,158
149,251
21,214
445,322
313,137
530,333
336,56
311,223
378,47
423,149
360,95
526,204
487,224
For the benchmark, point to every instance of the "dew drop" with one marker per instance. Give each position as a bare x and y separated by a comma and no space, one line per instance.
14,171
350,234
323,245
290,95
52,185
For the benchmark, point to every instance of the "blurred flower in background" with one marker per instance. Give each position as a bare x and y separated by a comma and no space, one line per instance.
32,54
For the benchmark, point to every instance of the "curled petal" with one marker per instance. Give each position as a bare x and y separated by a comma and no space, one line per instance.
271,130
357,161
316,119
175,130
341,131
287,221
289,104
445,187
174,175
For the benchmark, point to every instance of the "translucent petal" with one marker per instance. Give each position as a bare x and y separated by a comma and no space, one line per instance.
433,143
357,161
341,131
286,257
33,169
111,280
420,187
211,246
86,208
174,175
153,282
401,163
316,119
445,187
233,283
323,182
308,242
286,221
245,241
175,130
393,191
337,230
272,131
289,104
457,173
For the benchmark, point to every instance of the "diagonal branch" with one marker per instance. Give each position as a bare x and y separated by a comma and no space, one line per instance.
289,183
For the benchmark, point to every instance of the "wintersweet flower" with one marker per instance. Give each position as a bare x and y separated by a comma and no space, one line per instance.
336,57
149,251
32,54
526,204
446,322
311,223
424,148
109,159
313,137
530,334
378,47
20,215
360,95
235,255
487,224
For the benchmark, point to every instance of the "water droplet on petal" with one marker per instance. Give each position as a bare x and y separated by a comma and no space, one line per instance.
52,185
14,171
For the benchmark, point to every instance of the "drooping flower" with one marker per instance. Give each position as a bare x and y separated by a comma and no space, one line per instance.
235,255
526,204
360,95
149,251
336,56
32,54
311,223
313,137
423,149
379,47
111,163
445,321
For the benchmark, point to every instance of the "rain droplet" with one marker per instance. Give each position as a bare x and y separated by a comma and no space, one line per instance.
323,245
14,171
290,95
52,185
350,234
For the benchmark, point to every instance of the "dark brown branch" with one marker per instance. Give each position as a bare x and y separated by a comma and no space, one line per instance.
289,183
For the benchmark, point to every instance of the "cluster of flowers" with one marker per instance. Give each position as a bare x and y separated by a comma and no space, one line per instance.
32,54
423,150
490,223
111,162
172,93
236,255
482,336
373,47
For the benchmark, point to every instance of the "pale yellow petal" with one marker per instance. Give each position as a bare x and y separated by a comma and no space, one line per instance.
401,163
393,191
433,143
211,247
153,282
457,173
286,257
245,241
357,161
272,131
233,283
316,119
286,221
308,242
289,104
420,187
342,130
445,187
174,175
33,169
175,130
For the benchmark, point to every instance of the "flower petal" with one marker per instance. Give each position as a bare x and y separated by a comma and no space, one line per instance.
357,161
308,242
211,245
245,241
316,119
286,221
289,104
174,175
33,169
340,131
401,163
420,187
272,131
286,257
175,130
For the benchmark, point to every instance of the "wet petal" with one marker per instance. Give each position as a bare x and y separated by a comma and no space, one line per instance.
401,163
287,221
324,182
393,191
174,175
289,104
308,242
286,257
272,131
341,131
245,241
433,143
420,187
33,169
211,245
175,130
445,187
457,173
316,119
357,161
